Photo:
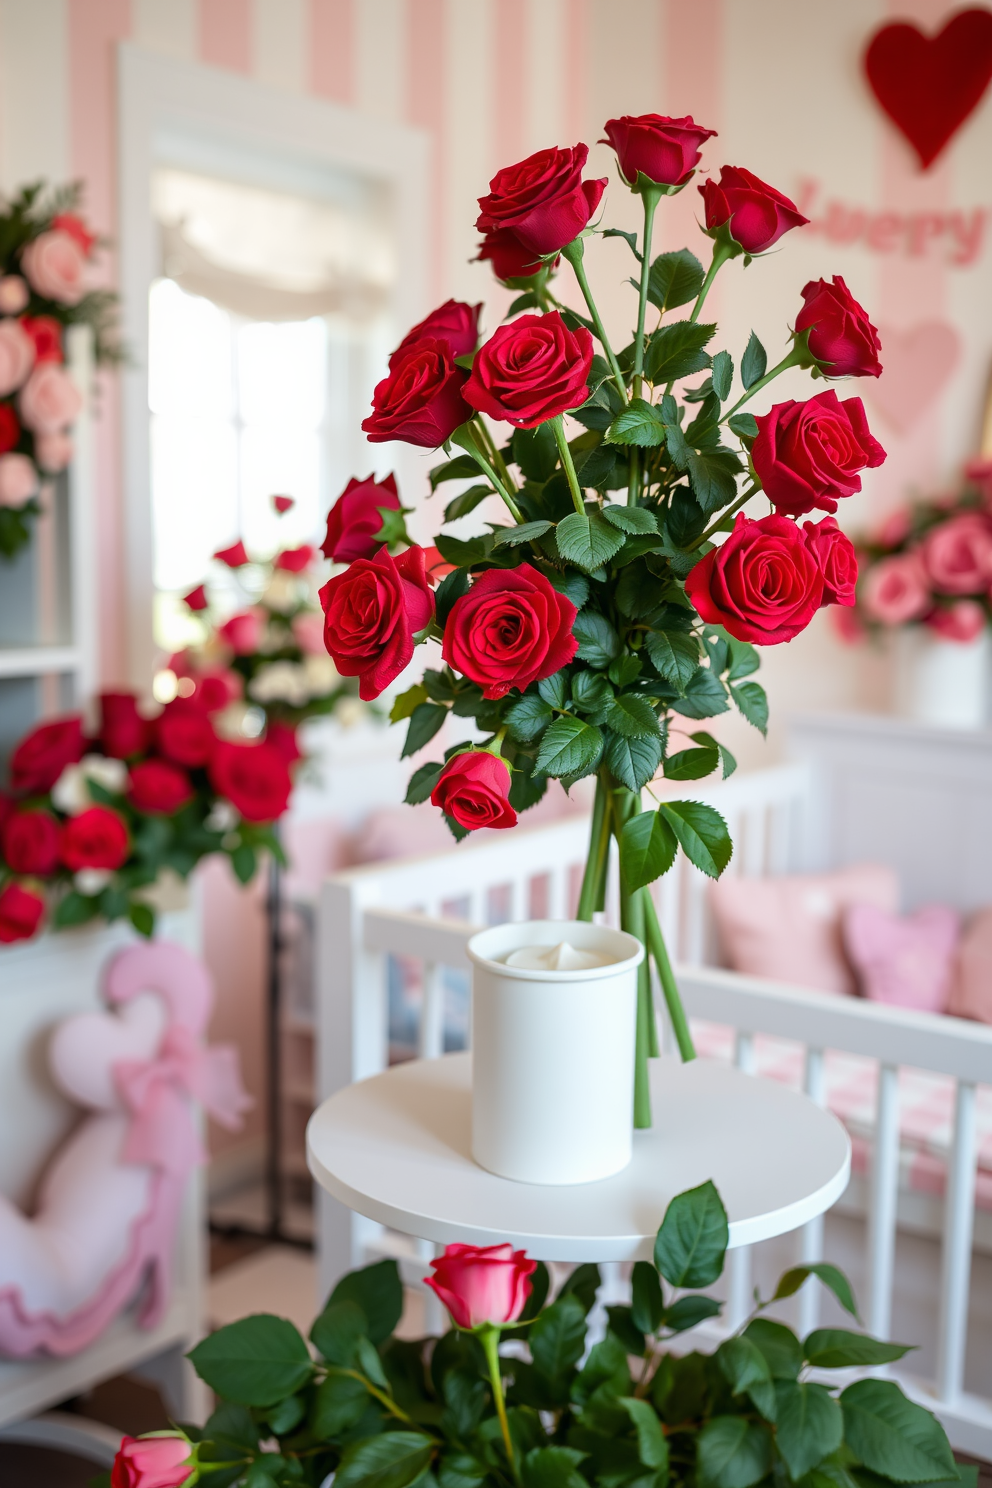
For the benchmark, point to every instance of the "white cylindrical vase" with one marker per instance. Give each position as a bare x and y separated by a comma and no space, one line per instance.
553,1054
944,683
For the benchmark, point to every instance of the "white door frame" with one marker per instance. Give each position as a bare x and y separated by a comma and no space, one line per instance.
161,100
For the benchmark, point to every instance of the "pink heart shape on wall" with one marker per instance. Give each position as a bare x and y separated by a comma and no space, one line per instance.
918,364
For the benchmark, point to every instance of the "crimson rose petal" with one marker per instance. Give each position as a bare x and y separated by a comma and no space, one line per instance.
371,613
531,370
809,455
763,584
474,788
512,628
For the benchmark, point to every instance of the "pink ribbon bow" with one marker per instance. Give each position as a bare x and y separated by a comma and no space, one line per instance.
158,1094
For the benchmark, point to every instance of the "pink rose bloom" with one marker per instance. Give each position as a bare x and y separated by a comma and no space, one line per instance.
16,356
896,590
49,399
14,294
894,528
54,264
18,480
152,1462
482,1284
963,621
53,451
958,554
243,632
308,630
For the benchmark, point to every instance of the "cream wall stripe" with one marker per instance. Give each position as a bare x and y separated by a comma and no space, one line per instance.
166,26
280,43
469,106
380,58
34,91
544,120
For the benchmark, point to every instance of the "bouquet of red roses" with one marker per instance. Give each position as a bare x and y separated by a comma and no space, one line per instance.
628,589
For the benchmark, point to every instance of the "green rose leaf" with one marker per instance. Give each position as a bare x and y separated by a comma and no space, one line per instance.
569,747
422,783
892,1436
746,1371
557,1338
692,1240
780,1346
511,537
809,1425
259,1360
675,279
647,1304
591,691
631,518
336,1331
552,1467
691,764
723,374
752,701
462,467
634,761
378,1291
647,850
652,1447
407,701
674,655
598,641
339,1404
838,1348
702,834
527,717
689,1312
639,423
713,476
392,1460
753,362
587,541
676,351
831,1276
452,587
425,720
632,716
744,425
704,695
733,1453
467,501
583,1283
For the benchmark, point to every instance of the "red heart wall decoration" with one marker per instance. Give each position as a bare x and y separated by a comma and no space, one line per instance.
928,85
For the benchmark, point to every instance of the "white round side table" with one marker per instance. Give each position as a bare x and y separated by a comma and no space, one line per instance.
396,1148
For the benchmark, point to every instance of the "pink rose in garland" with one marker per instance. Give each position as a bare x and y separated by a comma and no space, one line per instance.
21,913
54,265
49,401
421,400
543,200
763,584
474,788
16,356
665,150
454,323
356,517
809,455
841,337
756,213
957,555
371,614
482,1283
531,370
962,621
511,628
836,560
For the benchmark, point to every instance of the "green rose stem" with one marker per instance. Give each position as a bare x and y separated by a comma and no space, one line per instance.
494,454
721,253
488,1336
568,466
651,196
599,850
797,357
742,500
632,919
659,954
465,439
574,252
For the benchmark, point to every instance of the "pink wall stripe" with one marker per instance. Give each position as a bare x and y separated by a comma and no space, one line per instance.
575,46
332,45
512,79
225,34
95,28
692,70
427,62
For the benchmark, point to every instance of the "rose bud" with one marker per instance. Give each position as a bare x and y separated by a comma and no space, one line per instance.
158,788
243,632
21,913
253,777
40,757
757,214
294,560
664,150
196,599
152,1462
962,621
474,788
234,556
454,323
184,733
510,259
531,370
762,584
371,614
421,400
957,554
356,517
835,558
511,628
809,455
96,838
543,199
71,223
283,504
123,731
10,428
482,1283
31,842
46,336
842,339
896,590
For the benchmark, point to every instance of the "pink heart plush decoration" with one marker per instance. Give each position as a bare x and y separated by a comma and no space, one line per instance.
84,1049
917,364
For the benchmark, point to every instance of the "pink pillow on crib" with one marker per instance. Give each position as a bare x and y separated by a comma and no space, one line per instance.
971,992
789,929
905,962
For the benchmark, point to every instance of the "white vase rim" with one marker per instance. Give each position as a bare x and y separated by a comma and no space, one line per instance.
486,945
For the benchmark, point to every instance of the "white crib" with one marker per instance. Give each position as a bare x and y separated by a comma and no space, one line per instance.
859,787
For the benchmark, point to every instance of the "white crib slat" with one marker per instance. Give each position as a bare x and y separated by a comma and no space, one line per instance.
558,894
744,1052
694,890
739,1286
882,1201
959,1215
430,1044
811,1235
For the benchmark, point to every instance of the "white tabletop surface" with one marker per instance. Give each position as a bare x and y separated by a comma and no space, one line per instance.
396,1148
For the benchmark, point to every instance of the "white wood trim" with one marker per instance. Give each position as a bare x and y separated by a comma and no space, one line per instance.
39,661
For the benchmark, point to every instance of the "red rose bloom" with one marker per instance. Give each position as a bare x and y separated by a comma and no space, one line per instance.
757,213
10,428
282,736
235,556
184,733
421,400
152,1462
40,758
474,788
371,613
295,560
454,323
763,584
68,222
355,518
808,455
21,911
243,632
508,256
123,731
158,788
214,690
835,558
531,370
511,628
665,150
283,504
543,199
482,1283
96,838
31,842
253,777
841,337
196,599
46,334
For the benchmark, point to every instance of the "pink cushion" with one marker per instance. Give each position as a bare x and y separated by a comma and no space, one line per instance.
789,929
905,962
971,992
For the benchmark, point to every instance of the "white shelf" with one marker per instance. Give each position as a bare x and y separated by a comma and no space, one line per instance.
34,661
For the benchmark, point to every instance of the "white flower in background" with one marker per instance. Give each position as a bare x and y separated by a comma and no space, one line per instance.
70,793
273,638
221,817
349,712
90,881
239,721
281,682
283,591
321,675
